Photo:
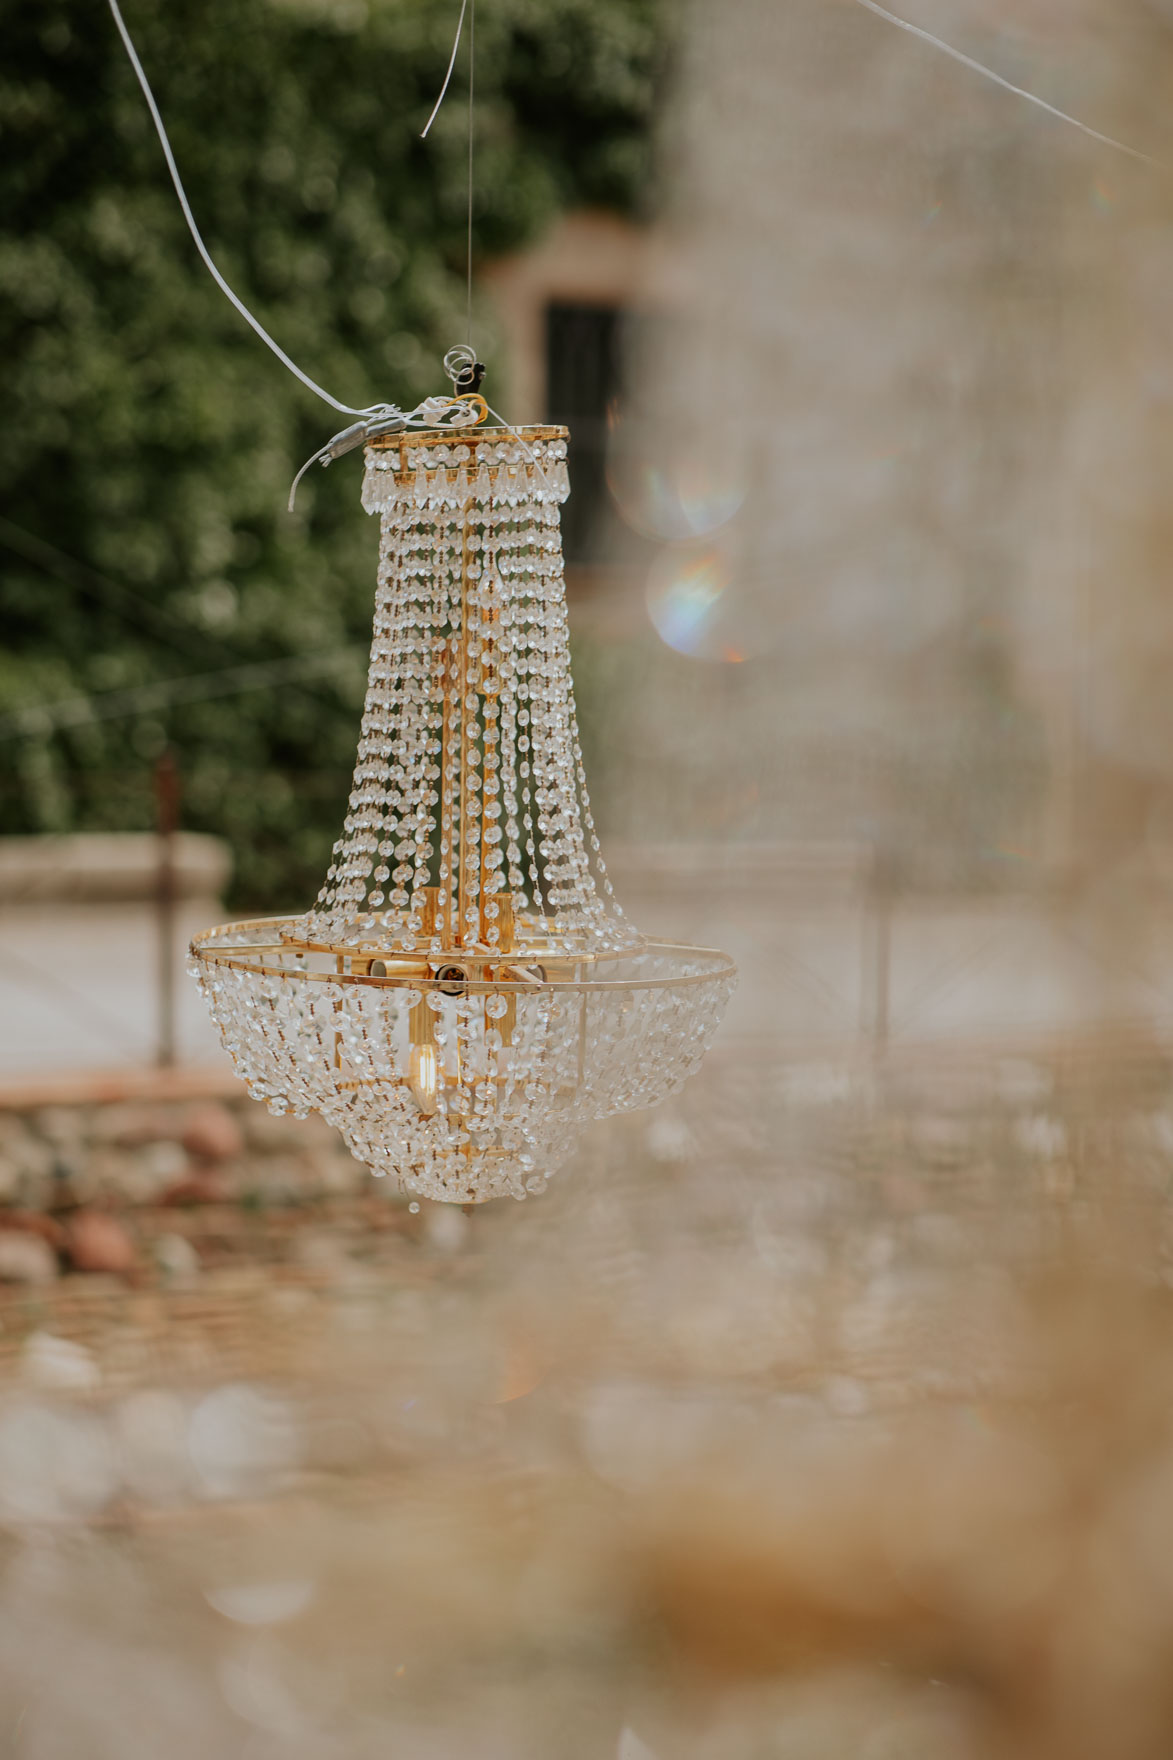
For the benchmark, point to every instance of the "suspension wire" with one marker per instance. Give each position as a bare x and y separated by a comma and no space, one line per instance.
37,720
344,409
915,30
472,63
468,8
362,430
133,609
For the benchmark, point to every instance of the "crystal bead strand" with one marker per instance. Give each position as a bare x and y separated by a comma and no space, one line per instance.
448,599
393,646
548,736
472,520
430,615
346,879
397,801
402,802
509,784
408,751
512,665
374,750
370,807
524,597
573,809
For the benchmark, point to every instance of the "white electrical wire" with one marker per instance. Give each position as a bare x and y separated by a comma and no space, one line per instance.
375,418
469,7
448,75
344,409
472,71
915,30
386,409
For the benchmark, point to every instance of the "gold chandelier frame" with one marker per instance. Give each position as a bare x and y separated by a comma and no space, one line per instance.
483,1067
413,972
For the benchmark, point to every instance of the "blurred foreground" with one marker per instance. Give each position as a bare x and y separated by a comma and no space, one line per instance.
826,1414
685,1459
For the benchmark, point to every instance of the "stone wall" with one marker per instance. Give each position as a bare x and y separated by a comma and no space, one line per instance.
152,1187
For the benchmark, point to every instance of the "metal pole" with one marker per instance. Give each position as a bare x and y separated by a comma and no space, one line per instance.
883,888
166,820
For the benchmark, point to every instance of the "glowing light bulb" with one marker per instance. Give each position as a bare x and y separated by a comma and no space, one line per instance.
423,1078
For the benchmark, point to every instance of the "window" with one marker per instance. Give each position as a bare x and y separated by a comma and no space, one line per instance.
584,346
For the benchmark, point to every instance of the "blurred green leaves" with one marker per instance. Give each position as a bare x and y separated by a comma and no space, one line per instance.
149,439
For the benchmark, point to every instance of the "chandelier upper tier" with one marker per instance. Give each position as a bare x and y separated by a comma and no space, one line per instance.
466,993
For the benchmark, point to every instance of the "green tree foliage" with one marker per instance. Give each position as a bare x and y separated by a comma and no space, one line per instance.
149,439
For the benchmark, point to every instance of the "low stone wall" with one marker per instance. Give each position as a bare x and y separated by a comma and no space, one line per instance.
153,1186
80,946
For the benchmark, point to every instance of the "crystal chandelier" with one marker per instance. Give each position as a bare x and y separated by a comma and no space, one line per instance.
466,993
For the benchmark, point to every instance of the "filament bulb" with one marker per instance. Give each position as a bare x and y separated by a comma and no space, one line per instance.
423,1078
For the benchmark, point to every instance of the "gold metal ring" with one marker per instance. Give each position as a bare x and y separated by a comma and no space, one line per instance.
472,397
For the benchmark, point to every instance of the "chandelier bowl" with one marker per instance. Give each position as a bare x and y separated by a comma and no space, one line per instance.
464,1088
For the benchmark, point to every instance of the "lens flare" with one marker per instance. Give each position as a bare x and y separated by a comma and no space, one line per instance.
692,604
669,494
